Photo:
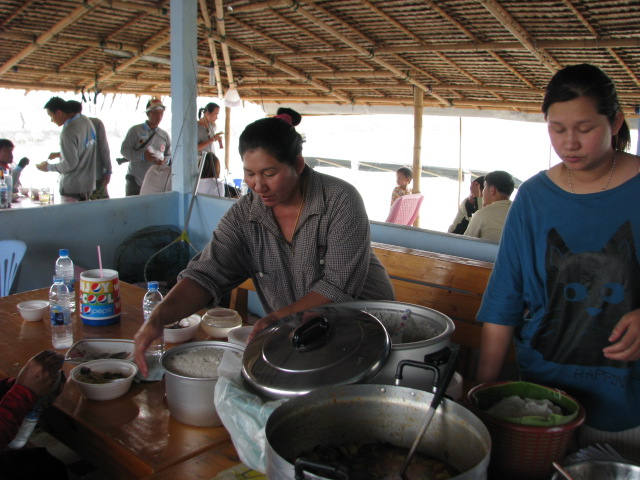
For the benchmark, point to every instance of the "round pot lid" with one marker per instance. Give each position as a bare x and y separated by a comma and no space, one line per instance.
315,348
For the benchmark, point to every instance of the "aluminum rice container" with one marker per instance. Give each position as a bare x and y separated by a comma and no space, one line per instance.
190,399
415,331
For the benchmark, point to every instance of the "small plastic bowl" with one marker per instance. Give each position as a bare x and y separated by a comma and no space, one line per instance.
111,389
240,335
217,322
33,310
187,330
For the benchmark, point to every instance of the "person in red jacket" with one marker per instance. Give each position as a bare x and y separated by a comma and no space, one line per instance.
18,396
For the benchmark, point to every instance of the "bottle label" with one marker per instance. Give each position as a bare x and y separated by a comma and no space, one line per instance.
58,316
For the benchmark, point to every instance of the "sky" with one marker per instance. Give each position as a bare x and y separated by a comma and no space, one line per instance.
474,143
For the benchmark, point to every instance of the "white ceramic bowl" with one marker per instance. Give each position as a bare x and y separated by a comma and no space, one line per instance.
33,310
218,321
240,335
112,389
186,332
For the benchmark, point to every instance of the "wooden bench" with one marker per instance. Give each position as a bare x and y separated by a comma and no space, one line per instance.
446,283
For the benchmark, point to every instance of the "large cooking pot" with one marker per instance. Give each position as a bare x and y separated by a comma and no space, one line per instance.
415,331
363,414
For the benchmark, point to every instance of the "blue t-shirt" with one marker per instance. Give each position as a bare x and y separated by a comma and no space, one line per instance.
570,263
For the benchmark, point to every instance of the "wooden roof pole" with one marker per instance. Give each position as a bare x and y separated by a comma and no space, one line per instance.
76,14
418,110
510,23
212,47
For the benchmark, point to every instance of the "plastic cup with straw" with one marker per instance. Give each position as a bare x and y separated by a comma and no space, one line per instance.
100,261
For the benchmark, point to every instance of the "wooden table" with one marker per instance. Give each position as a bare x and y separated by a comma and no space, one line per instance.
129,437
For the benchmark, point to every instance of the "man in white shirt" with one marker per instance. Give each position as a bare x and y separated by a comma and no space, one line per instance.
488,222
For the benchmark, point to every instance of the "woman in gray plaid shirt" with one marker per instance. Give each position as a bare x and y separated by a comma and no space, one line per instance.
302,237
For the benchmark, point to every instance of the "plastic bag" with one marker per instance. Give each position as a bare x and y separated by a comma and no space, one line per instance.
243,413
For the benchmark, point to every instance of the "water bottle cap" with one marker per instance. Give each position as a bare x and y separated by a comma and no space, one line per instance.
64,252
152,285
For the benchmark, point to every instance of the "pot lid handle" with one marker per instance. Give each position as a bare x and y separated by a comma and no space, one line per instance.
311,334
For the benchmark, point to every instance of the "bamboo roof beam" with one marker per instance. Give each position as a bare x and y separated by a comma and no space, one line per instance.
301,10
510,23
16,13
87,84
220,26
77,13
279,65
204,10
597,36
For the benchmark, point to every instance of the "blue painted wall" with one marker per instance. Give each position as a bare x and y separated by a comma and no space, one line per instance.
80,227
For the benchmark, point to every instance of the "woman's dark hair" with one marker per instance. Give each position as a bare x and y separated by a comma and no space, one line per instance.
209,108
480,181
296,118
406,171
275,136
211,167
586,80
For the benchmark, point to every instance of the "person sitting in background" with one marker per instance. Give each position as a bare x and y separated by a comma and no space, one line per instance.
210,183
17,171
145,145
78,151
207,134
488,222
303,237
404,175
468,207
18,397
103,165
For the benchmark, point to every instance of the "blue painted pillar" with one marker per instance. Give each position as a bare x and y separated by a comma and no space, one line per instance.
184,69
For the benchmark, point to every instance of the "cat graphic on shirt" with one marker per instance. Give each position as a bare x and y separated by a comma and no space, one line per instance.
588,294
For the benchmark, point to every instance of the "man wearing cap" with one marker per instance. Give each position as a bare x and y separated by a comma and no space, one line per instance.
145,145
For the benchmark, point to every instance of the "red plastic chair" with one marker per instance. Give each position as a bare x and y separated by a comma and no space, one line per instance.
405,209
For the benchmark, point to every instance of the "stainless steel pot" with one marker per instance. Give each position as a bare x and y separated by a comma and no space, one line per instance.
424,331
601,469
371,413
190,399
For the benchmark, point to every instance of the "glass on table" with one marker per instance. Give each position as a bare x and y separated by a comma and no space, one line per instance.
45,196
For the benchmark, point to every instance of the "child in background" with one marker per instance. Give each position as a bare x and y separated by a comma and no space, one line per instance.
404,175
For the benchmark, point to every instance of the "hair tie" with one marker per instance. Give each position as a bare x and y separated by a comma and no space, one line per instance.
285,117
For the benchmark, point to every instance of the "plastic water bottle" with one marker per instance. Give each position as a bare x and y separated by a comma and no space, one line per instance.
5,194
154,353
64,269
61,327
244,188
31,419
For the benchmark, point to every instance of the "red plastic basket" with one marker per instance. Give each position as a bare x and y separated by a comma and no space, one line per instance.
519,451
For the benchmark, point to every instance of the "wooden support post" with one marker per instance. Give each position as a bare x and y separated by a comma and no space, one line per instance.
418,108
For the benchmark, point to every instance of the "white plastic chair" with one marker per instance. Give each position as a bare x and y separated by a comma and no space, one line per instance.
405,209
11,254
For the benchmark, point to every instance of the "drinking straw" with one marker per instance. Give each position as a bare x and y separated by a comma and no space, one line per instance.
100,261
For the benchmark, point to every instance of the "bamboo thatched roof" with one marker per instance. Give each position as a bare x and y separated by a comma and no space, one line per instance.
472,54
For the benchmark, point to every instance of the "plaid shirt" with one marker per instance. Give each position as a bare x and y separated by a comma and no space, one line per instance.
330,252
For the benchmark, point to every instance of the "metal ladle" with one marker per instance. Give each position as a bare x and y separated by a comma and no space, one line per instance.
435,401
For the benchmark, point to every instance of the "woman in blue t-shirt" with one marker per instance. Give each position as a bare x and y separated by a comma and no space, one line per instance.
565,284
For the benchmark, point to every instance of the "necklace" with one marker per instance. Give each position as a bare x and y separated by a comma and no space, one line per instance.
613,165
304,191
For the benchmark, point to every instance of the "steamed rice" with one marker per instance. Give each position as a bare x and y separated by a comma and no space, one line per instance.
200,362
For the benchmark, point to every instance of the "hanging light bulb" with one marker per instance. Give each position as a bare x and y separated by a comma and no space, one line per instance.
212,75
232,98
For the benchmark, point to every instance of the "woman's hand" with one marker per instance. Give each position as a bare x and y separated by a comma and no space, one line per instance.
261,324
149,331
42,166
626,335
41,372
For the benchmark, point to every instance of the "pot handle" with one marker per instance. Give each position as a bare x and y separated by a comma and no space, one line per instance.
301,464
311,334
